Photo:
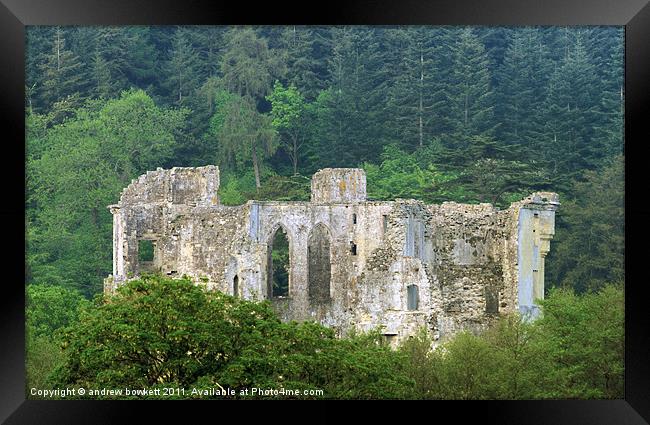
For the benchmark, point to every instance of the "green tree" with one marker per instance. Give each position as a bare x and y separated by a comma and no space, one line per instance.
467,368
298,45
351,112
60,74
415,99
524,368
328,128
157,332
247,64
103,86
247,67
143,58
611,132
470,99
43,355
116,58
207,42
522,79
585,336
500,181
281,188
569,144
495,40
589,246
398,176
575,350
243,133
108,50
485,171
38,45
423,365
288,112
49,308
78,169
183,62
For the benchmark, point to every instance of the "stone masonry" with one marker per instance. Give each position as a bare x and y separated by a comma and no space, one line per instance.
354,263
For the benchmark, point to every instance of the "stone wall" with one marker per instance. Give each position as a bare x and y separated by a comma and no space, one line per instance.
354,263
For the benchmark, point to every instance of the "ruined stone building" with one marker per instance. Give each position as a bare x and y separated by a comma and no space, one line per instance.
353,262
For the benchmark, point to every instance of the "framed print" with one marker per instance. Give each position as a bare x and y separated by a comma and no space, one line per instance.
407,200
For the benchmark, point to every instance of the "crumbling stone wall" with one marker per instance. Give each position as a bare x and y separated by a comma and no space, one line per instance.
354,263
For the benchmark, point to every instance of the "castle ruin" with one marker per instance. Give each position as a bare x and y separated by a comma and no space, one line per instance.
354,263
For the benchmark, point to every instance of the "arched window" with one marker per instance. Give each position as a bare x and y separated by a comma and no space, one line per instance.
278,264
412,297
319,266
235,286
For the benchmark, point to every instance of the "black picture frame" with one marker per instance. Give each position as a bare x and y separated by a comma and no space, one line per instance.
634,14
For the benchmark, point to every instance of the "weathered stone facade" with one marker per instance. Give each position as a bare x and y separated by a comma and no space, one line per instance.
354,263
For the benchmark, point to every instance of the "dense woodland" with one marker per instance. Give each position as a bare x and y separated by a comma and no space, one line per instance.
466,114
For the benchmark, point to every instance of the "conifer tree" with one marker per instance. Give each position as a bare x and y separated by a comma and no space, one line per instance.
336,108
108,52
495,41
520,93
248,67
60,72
571,114
38,47
143,64
610,131
358,77
208,42
470,100
244,134
297,47
102,83
183,78
413,98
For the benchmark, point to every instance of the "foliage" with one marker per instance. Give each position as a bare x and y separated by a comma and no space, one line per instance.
61,77
589,247
398,176
574,351
244,134
280,188
585,335
230,194
49,308
183,78
158,331
42,356
288,112
247,64
76,170
237,188
470,96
